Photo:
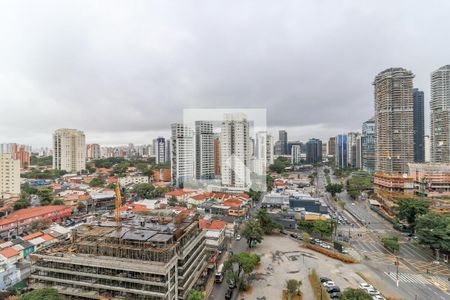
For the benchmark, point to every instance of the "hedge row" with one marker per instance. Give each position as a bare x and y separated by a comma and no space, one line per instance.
319,291
333,254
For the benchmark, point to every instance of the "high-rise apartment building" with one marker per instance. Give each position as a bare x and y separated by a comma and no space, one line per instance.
340,153
17,151
427,146
160,150
93,151
69,150
182,154
9,176
283,139
331,146
419,125
313,151
354,150
296,154
263,152
217,155
204,150
394,120
235,150
440,115
368,141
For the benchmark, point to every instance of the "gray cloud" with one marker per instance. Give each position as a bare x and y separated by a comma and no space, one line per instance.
123,70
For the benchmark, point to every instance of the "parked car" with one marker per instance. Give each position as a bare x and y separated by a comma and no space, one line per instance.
335,295
333,289
329,284
238,237
324,279
373,292
365,286
377,297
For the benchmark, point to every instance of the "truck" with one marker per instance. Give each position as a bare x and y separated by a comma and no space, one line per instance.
219,274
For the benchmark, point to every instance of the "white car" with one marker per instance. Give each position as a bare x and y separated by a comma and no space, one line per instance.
329,284
377,297
238,237
373,292
365,286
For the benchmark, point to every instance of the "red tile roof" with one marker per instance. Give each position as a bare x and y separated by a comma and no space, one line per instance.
177,193
9,252
31,212
214,225
32,236
232,202
47,237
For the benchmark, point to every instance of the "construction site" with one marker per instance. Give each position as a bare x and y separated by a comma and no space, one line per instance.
142,258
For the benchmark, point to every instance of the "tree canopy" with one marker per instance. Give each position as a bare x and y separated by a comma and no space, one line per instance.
239,266
324,228
334,188
39,294
433,230
410,209
97,181
195,295
357,184
279,164
252,232
266,222
45,195
292,287
391,243
355,294
148,191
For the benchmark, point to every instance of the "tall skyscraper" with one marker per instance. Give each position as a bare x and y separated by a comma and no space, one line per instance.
283,139
368,141
340,153
313,151
296,154
440,115
69,150
331,146
235,150
263,152
160,150
9,176
182,154
354,150
419,126
204,150
394,120
93,151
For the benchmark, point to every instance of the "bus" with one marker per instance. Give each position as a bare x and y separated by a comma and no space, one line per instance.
219,274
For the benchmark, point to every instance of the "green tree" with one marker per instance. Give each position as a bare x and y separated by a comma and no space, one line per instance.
97,181
269,182
324,228
433,230
239,266
279,165
266,222
121,168
195,295
359,182
45,195
40,294
355,294
326,171
333,188
292,287
305,236
410,209
22,203
307,226
58,202
172,201
252,232
391,243
26,188
143,190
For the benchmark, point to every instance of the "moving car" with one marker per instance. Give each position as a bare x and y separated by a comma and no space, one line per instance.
229,294
238,237
219,274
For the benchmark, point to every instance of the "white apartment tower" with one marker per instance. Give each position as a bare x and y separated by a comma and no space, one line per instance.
69,150
296,154
182,154
394,120
440,115
263,152
9,176
235,150
204,150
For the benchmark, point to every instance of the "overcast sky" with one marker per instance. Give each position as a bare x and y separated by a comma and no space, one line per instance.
122,71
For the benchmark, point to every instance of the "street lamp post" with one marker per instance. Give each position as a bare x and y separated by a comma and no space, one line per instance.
397,263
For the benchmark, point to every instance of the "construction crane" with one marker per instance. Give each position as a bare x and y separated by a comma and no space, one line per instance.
118,203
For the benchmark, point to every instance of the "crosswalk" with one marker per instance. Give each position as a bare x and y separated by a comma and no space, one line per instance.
407,278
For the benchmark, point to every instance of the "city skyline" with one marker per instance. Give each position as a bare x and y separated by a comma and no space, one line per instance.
120,87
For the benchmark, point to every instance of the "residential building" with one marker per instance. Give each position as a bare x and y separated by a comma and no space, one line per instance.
204,150
9,176
235,150
69,150
160,150
93,151
440,115
133,180
393,185
394,120
263,152
145,259
341,151
331,146
292,143
313,151
182,154
368,143
17,151
354,150
296,154
217,156
427,146
283,139
419,126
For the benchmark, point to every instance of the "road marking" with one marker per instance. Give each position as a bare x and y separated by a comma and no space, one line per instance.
407,277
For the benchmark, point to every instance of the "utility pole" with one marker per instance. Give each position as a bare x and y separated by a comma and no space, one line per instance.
397,263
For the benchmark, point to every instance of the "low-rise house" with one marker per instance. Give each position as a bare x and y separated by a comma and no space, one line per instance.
215,233
132,180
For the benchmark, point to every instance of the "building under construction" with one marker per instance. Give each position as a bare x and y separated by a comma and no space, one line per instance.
145,258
